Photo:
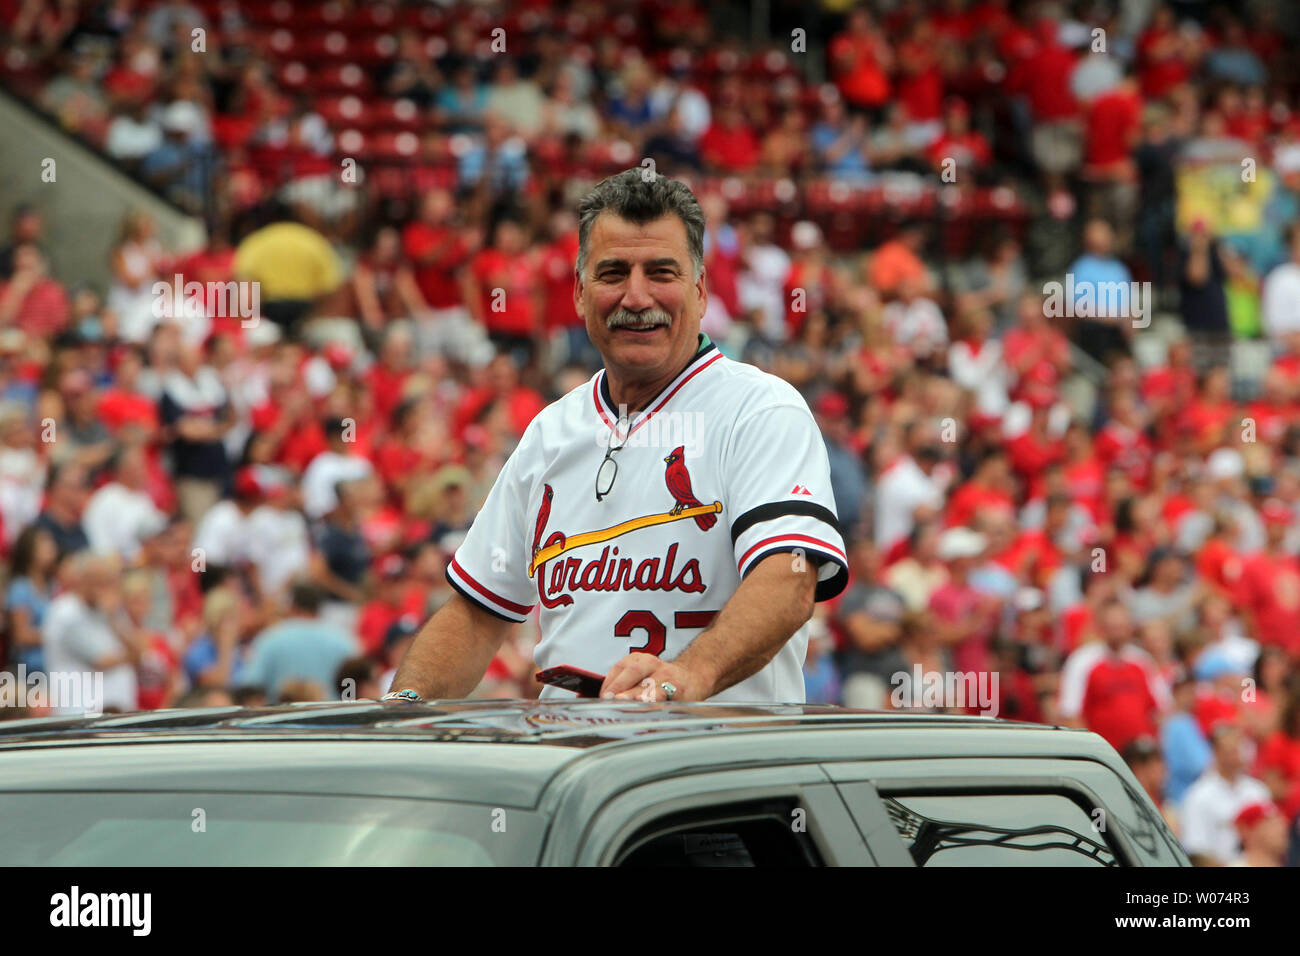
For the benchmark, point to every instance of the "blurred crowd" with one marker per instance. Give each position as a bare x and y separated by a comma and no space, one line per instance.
214,510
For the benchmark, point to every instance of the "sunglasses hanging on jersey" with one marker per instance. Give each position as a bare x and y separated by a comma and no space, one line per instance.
608,470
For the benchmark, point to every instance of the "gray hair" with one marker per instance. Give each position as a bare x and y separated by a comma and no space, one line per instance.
642,196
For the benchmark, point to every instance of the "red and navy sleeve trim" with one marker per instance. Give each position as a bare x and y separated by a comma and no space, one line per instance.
818,550
483,596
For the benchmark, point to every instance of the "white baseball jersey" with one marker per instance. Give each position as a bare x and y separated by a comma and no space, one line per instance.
725,467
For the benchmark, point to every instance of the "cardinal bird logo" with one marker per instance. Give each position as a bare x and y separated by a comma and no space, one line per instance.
543,515
678,480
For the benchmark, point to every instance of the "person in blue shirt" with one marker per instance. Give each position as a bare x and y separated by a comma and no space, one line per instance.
498,155
841,145
820,675
28,595
462,102
1094,271
215,658
1187,752
300,648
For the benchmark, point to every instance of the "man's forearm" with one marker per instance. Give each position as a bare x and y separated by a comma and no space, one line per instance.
449,656
769,606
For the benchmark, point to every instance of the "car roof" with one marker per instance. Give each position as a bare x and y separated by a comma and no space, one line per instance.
507,751
570,723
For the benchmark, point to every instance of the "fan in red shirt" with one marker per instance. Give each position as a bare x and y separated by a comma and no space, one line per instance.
123,403
1161,55
1036,448
501,385
1270,583
1036,555
1083,473
723,253
383,285
810,272
1278,761
386,379
438,250
860,62
920,82
557,259
729,145
395,597
1017,694
958,142
1079,622
990,18
417,446
1172,386
30,299
504,288
288,420
1123,443
1274,411
989,488
1043,77
1245,122
1119,701
1035,353
1111,132
1206,418
964,618
953,22
1287,362
213,263
1217,561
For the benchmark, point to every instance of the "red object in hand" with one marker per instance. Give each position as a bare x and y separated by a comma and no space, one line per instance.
583,683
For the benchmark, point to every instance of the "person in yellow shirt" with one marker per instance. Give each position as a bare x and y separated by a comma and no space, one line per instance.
293,265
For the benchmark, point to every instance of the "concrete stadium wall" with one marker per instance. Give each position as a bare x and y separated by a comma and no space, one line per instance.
84,206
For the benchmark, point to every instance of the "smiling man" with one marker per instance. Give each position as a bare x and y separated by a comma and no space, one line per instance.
672,516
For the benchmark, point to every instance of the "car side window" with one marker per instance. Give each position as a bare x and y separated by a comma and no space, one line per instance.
763,833
1022,829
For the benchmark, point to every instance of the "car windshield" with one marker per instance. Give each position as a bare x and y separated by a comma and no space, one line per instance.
221,829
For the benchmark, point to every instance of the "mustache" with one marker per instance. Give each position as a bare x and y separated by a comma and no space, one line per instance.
650,318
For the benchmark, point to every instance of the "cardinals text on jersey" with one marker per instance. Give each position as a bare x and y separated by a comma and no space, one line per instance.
724,468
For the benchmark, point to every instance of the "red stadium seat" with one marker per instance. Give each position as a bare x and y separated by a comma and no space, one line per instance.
340,78
374,48
393,115
380,147
770,64
280,43
231,131
325,46
341,111
390,182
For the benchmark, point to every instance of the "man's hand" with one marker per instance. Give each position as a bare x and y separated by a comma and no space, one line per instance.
638,676
773,601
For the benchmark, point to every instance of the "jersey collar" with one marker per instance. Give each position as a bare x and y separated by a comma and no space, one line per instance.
705,355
